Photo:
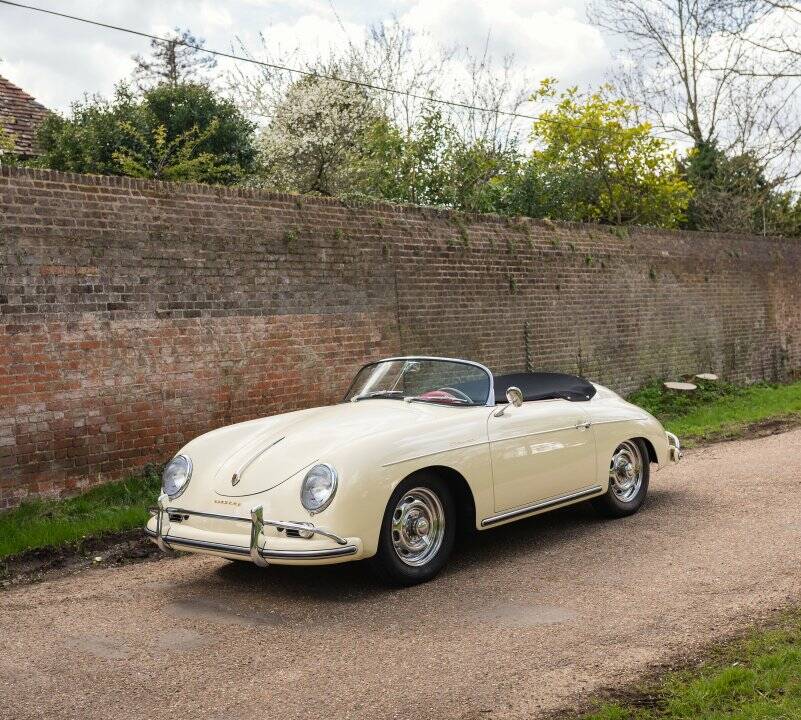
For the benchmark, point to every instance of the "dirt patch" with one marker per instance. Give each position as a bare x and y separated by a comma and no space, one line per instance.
752,431
524,615
109,550
223,613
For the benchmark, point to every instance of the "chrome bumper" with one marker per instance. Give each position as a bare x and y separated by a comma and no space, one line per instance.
257,550
674,447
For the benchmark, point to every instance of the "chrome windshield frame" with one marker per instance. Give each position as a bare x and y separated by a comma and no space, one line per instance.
490,396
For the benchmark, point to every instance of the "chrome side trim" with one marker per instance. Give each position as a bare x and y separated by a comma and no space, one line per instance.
541,505
579,426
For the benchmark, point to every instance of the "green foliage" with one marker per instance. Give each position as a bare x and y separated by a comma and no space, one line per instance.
667,404
171,132
7,145
108,508
719,409
595,163
752,679
433,165
732,194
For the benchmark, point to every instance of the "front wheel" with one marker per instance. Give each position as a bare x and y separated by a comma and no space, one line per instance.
417,531
629,472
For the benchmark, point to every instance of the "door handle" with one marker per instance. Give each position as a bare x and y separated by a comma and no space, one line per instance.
583,425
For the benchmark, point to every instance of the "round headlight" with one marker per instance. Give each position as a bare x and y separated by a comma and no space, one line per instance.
176,476
318,488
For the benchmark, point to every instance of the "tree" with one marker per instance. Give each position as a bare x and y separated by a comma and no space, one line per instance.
174,60
731,194
695,70
317,139
432,165
593,162
409,167
181,132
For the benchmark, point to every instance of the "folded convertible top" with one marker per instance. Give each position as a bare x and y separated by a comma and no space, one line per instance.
544,386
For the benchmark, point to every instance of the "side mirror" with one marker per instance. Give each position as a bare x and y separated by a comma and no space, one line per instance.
514,396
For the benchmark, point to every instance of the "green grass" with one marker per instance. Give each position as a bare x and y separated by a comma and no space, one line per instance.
753,679
719,409
105,509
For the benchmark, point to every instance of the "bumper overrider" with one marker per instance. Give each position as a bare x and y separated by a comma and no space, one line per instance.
160,527
674,447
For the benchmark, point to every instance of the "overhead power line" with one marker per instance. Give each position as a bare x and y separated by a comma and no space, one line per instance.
299,71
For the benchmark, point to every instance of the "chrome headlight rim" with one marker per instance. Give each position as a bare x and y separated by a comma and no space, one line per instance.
332,493
185,484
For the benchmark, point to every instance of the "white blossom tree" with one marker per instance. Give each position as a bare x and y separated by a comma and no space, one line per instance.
317,137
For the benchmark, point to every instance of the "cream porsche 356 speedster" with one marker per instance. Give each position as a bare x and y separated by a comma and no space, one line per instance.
420,449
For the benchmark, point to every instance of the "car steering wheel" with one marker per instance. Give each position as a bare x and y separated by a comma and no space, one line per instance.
457,393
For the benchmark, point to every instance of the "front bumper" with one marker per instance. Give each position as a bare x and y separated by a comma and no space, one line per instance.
674,447
286,551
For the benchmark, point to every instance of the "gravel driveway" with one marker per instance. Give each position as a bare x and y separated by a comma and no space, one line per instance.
527,619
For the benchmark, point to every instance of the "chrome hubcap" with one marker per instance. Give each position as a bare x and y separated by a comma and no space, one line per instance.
626,471
418,526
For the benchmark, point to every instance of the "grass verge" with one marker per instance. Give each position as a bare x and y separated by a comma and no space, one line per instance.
757,677
720,410
108,508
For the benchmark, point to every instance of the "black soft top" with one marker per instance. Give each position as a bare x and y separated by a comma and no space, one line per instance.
544,386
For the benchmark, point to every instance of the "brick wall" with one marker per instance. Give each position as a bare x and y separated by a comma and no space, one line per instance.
135,315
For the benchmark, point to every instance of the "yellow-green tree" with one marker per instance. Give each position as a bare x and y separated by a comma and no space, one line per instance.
594,162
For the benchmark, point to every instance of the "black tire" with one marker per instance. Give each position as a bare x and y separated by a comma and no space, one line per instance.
616,504
414,493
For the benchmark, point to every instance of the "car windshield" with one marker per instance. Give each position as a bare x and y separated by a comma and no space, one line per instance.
448,382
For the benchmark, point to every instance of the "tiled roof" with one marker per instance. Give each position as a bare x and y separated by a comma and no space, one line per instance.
21,115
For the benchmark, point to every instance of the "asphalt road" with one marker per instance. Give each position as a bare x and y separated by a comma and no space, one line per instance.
529,618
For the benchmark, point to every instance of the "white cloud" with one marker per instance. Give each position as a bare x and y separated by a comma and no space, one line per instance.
548,37
58,61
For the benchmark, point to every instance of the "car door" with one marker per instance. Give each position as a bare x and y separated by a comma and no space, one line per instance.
540,451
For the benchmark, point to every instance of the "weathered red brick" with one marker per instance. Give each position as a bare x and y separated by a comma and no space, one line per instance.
156,312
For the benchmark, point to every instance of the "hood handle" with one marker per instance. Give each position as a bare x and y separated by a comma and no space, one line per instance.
237,476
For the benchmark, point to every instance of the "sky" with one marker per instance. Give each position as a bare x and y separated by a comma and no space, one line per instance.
58,60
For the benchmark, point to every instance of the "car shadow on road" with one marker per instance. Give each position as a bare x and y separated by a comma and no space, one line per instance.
483,552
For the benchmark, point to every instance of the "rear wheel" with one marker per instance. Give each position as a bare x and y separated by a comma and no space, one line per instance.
629,472
417,531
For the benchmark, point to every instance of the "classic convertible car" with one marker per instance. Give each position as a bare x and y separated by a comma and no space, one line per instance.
420,448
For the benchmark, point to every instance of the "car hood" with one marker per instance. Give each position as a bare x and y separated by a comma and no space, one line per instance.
264,453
